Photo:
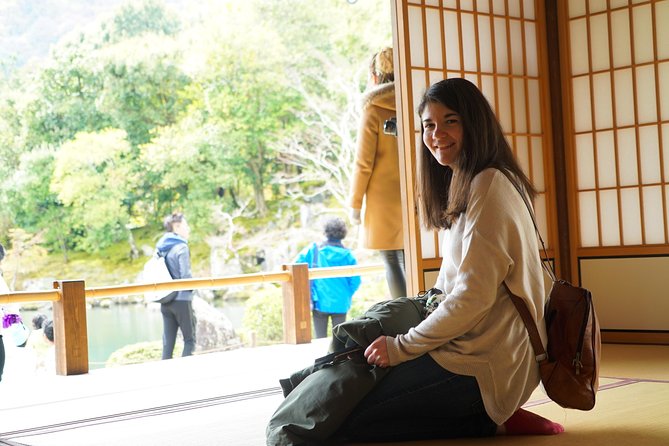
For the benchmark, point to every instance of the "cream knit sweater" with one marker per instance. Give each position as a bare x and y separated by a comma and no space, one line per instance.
476,330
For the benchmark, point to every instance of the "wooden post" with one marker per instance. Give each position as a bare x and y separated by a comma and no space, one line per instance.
70,329
297,305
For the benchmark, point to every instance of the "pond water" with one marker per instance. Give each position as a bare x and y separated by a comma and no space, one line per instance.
119,325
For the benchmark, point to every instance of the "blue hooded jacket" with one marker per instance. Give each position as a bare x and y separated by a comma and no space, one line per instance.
177,258
331,295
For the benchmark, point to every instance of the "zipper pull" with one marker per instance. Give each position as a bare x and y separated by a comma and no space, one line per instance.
578,365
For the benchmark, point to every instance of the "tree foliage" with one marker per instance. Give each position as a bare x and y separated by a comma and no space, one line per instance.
224,111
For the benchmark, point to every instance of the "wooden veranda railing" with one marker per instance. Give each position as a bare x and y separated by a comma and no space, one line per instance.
69,304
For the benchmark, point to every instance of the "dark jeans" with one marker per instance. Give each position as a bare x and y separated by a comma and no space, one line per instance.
321,321
395,272
178,314
419,400
2,357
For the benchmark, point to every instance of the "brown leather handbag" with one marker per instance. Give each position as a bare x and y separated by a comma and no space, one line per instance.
570,367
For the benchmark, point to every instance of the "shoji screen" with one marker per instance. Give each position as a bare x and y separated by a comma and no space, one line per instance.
619,74
617,117
493,43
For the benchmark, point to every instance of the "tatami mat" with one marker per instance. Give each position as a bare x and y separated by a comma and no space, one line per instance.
227,398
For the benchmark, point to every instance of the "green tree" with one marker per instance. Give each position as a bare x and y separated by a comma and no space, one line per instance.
92,178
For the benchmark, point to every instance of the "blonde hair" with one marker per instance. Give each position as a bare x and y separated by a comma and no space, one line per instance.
382,65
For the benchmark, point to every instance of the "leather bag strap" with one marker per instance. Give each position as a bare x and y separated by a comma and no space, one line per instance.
530,325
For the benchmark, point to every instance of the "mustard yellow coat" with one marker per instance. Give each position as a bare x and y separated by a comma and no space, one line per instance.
376,177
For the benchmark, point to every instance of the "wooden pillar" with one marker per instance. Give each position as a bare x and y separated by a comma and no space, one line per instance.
297,305
70,329
563,258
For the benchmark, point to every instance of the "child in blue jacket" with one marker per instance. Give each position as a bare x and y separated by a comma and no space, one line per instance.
330,298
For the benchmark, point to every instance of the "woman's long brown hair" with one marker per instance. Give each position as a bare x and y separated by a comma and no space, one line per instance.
443,193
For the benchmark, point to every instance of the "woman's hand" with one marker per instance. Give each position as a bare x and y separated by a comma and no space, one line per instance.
377,353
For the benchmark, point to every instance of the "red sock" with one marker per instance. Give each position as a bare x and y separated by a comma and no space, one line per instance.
523,422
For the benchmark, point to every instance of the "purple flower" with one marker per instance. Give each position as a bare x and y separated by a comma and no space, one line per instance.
10,319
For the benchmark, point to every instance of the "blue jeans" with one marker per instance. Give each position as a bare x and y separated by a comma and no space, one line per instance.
419,400
395,275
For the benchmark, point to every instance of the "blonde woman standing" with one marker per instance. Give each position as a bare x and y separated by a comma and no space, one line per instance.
376,179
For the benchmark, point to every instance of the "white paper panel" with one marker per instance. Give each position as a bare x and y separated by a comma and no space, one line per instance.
528,9
515,32
662,29
452,39
608,204
452,4
602,98
617,4
666,202
440,241
415,18
419,143
431,2
499,8
504,103
435,76
531,56
469,48
467,5
643,33
488,89
624,92
540,215
427,243
606,159
588,216
538,164
599,42
519,105
582,112
576,8
450,74
418,87
649,145
620,38
585,162
653,214
535,105
482,6
578,37
471,77
627,159
514,8
434,41
645,94
631,212
485,44
521,149
501,49
665,150
663,78
597,6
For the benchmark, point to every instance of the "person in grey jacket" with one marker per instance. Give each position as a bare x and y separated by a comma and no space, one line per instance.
178,311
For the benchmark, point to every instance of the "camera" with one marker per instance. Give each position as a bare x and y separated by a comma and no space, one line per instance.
390,126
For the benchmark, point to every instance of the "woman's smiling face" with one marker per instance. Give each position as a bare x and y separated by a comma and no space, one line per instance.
442,133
